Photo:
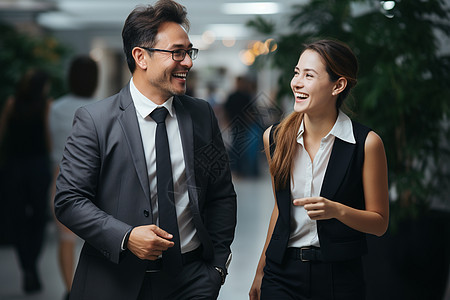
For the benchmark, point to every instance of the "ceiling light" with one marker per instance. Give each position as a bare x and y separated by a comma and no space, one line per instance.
95,6
247,57
25,5
58,21
251,8
229,42
388,5
225,30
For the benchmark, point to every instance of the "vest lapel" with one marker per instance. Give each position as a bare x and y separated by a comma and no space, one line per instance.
340,158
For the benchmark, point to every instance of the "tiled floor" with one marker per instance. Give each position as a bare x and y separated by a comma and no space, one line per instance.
255,203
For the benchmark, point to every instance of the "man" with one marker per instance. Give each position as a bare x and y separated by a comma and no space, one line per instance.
113,189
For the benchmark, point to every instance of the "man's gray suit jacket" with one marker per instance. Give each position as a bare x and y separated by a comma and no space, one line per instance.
102,191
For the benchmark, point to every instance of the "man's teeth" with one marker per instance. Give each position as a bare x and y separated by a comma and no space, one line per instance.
301,95
180,75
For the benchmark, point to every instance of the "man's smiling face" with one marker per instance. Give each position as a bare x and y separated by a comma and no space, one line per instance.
166,76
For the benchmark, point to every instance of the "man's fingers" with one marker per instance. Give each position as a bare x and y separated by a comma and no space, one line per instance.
162,233
162,238
153,257
161,244
146,243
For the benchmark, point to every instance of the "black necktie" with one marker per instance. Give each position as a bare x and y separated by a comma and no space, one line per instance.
166,202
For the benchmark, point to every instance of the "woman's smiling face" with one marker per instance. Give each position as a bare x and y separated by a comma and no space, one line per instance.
311,84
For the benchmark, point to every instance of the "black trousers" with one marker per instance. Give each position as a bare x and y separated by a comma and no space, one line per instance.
313,280
196,280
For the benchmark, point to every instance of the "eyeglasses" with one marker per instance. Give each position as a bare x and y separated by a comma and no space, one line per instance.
177,55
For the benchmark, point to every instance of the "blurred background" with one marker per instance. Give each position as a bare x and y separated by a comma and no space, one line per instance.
247,53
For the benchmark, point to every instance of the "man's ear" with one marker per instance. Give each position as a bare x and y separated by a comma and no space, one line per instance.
339,86
139,58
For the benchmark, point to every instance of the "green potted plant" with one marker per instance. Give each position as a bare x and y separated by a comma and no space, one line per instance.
18,53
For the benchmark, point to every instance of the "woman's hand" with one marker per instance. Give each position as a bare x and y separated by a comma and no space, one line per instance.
255,290
319,208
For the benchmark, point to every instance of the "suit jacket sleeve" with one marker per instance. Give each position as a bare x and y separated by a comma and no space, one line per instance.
76,190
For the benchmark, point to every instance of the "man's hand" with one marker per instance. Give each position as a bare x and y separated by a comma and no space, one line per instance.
149,242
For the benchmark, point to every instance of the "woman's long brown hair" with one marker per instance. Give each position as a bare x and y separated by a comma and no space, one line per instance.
340,62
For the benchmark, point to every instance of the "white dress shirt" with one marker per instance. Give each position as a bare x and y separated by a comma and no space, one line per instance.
144,106
307,178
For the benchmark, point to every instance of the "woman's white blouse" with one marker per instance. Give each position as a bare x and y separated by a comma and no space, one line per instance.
307,178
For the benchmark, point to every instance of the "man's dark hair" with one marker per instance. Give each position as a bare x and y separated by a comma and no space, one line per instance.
83,76
142,24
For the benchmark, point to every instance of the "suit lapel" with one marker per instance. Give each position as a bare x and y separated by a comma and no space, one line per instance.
340,158
185,126
187,141
128,121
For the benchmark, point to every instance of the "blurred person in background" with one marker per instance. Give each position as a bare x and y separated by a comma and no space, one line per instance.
329,177
240,111
24,158
82,80
211,95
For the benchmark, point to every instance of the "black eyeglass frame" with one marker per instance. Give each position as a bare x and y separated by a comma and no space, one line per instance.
193,52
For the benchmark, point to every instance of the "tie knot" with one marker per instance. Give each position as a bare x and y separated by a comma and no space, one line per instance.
159,114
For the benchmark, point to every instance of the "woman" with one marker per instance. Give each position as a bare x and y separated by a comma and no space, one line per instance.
82,79
329,176
24,157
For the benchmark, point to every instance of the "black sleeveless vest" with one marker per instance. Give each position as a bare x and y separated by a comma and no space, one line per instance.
342,183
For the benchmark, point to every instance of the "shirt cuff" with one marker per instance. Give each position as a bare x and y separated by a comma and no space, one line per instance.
125,240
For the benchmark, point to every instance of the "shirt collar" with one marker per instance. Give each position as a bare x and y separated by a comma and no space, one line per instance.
300,134
342,129
144,106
